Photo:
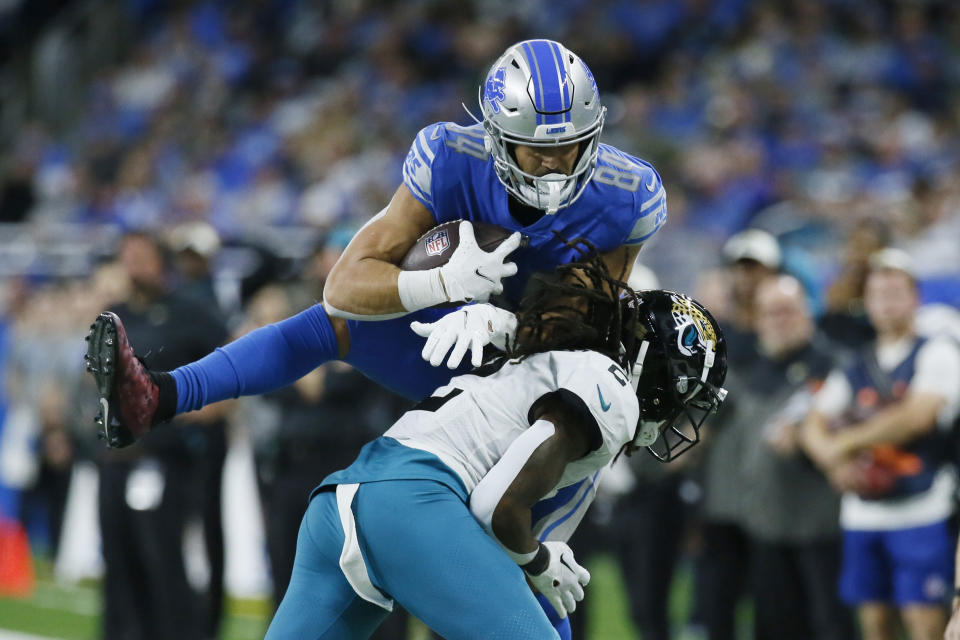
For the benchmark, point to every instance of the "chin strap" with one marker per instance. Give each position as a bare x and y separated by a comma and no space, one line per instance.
647,432
708,360
637,367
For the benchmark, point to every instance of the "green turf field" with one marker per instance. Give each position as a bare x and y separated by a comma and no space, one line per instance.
72,613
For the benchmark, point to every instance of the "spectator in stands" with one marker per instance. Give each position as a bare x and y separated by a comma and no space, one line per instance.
751,256
791,511
876,430
193,247
845,322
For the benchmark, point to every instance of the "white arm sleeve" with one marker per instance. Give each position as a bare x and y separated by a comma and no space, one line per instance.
834,396
938,369
489,491
938,372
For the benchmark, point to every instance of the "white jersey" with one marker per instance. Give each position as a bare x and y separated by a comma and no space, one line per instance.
477,418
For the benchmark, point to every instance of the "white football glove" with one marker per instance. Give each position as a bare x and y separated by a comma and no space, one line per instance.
473,274
562,582
471,327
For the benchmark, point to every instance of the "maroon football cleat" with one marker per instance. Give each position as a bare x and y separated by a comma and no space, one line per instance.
128,395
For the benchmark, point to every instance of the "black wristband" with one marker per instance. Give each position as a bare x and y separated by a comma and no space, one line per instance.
539,563
167,400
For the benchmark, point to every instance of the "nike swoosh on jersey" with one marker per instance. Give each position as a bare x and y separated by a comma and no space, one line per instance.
603,405
653,185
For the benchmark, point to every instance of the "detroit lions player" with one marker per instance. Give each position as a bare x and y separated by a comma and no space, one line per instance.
534,165
438,513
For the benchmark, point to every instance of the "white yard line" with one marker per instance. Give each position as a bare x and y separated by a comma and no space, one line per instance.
14,635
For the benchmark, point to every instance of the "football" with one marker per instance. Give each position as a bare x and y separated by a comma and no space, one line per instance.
434,248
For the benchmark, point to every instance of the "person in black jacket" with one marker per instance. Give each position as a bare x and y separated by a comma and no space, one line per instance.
790,510
145,490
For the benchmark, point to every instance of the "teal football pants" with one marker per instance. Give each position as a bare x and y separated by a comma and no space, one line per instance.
423,548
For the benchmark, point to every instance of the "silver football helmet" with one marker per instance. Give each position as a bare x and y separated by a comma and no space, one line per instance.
541,94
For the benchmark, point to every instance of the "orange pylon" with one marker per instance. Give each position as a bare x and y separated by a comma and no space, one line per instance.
16,562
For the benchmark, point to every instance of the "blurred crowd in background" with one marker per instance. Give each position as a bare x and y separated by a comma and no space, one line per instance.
251,139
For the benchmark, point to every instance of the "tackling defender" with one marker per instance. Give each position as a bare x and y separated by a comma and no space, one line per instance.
409,519
534,164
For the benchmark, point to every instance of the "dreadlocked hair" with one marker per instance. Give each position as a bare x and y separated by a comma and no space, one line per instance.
577,306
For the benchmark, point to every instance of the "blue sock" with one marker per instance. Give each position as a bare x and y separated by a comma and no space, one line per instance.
265,359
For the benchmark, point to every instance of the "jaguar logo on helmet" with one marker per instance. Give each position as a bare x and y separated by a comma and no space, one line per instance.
693,328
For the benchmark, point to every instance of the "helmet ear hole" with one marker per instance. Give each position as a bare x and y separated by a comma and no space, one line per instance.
654,400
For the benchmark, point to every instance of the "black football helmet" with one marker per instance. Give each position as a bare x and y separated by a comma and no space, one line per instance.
677,357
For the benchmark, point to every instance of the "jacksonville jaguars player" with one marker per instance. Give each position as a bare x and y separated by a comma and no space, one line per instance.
533,164
437,514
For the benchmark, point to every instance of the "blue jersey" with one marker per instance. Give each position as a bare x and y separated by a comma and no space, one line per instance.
450,172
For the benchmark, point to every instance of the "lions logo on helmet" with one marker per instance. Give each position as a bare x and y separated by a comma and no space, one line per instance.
493,89
541,94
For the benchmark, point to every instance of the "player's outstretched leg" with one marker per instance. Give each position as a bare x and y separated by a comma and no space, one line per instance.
265,359
128,395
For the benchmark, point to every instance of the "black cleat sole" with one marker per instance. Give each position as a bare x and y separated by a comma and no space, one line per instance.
101,361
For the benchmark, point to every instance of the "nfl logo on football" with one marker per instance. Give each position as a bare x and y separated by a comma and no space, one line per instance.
438,243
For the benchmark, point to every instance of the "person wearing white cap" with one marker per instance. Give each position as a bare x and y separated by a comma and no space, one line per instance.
756,245
750,257
195,244
878,430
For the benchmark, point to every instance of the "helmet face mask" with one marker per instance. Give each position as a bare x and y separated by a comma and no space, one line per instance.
540,94
679,365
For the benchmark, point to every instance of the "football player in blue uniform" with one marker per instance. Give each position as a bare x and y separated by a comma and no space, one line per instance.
534,164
